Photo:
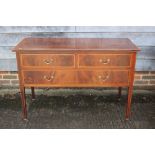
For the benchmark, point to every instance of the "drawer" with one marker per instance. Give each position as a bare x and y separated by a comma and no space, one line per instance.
104,60
76,77
48,60
49,77
103,77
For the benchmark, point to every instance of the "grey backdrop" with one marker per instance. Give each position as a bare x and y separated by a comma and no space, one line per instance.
142,36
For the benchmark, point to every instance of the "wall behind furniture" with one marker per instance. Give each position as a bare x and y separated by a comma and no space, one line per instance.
142,36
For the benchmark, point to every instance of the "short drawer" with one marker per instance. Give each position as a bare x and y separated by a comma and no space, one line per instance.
77,77
104,60
48,60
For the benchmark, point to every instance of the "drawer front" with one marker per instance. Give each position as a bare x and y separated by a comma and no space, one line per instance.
75,78
104,60
103,77
48,60
49,77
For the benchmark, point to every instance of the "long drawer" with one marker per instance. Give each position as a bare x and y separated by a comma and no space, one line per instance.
104,60
48,60
75,77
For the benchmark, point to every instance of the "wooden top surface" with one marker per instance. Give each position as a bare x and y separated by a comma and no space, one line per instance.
104,44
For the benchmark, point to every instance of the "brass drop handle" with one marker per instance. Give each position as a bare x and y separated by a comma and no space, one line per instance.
49,78
48,61
103,78
104,61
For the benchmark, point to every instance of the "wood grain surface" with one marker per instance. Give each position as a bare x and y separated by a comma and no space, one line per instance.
76,62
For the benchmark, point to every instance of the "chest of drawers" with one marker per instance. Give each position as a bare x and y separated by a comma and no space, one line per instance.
75,62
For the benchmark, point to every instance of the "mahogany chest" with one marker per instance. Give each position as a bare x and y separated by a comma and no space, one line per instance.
75,62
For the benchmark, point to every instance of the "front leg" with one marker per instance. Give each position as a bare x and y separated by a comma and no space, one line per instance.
23,99
128,107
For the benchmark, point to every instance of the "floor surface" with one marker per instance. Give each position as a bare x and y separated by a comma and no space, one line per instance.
77,109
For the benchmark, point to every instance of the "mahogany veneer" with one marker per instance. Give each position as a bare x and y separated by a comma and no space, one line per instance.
76,62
